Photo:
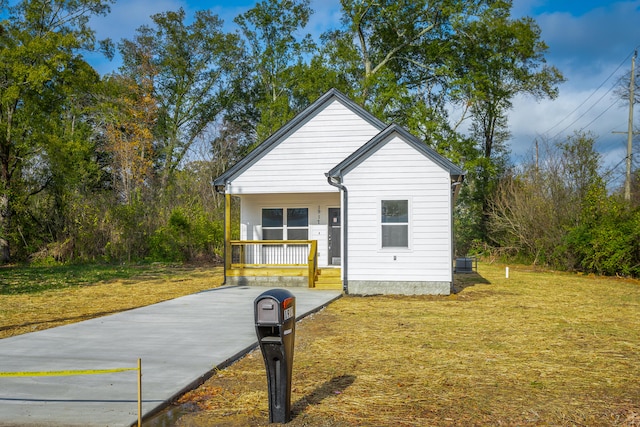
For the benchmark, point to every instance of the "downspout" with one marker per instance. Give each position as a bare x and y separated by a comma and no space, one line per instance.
220,189
345,233
455,190
455,187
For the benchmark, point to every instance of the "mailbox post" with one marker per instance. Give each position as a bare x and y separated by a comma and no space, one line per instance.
275,319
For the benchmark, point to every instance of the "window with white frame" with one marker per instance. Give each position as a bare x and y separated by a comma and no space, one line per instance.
285,224
395,223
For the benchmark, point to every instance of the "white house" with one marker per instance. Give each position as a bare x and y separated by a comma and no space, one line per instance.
338,191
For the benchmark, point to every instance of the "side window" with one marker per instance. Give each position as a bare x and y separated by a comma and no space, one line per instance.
395,223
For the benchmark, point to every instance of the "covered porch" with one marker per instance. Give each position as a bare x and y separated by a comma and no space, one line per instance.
257,258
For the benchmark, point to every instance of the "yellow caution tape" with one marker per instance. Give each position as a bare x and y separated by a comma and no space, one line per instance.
65,373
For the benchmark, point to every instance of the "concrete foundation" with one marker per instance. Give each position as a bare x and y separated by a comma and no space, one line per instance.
362,287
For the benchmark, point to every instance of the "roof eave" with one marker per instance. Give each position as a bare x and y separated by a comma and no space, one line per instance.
357,156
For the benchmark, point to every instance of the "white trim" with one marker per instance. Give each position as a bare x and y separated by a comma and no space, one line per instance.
409,247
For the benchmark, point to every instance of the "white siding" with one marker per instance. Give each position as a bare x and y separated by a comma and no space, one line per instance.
397,171
298,163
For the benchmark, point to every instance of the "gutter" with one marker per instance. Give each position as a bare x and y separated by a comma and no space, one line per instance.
345,234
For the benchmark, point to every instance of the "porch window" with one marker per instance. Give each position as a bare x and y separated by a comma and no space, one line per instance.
395,223
298,224
272,224
285,224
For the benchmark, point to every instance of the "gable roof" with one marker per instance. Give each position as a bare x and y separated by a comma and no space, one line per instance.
287,129
380,139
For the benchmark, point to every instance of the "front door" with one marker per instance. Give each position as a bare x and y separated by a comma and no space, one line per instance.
334,236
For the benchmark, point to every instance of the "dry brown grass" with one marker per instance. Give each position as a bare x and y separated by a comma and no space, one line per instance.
538,349
22,313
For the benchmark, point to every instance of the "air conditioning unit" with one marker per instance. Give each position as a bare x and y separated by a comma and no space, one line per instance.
466,265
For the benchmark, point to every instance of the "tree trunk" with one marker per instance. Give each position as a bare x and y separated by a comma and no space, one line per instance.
5,219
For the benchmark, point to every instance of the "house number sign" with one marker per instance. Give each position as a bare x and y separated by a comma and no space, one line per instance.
288,313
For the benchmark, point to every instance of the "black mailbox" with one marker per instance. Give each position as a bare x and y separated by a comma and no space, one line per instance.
275,316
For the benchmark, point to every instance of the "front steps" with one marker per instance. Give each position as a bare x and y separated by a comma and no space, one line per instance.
329,278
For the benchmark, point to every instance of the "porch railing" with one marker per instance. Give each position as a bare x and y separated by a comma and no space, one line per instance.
275,253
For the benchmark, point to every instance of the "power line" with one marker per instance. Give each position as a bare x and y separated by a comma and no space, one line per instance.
598,116
588,98
590,108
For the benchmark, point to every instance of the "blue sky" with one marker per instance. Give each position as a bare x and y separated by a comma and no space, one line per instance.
590,41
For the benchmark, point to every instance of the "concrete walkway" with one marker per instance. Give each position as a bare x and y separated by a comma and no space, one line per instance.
179,341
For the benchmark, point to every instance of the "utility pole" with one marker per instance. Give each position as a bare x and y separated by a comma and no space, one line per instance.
627,181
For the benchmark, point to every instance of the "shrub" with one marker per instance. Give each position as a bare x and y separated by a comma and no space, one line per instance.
188,236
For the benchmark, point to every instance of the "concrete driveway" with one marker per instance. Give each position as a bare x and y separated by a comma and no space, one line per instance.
179,342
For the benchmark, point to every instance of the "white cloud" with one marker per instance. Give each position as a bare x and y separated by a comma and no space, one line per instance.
591,47
590,43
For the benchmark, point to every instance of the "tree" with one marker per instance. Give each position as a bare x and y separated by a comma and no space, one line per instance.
635,188
499,58
190,65
273,57
374,47
40,43
128,136
414,62
534,211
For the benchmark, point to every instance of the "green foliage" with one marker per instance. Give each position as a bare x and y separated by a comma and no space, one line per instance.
188,66
495,58
188,236
164,246
411,62
95,169
44,86
274,60
607,240
557,212
129,225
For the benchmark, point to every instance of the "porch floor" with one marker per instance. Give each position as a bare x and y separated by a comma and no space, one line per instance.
328,277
